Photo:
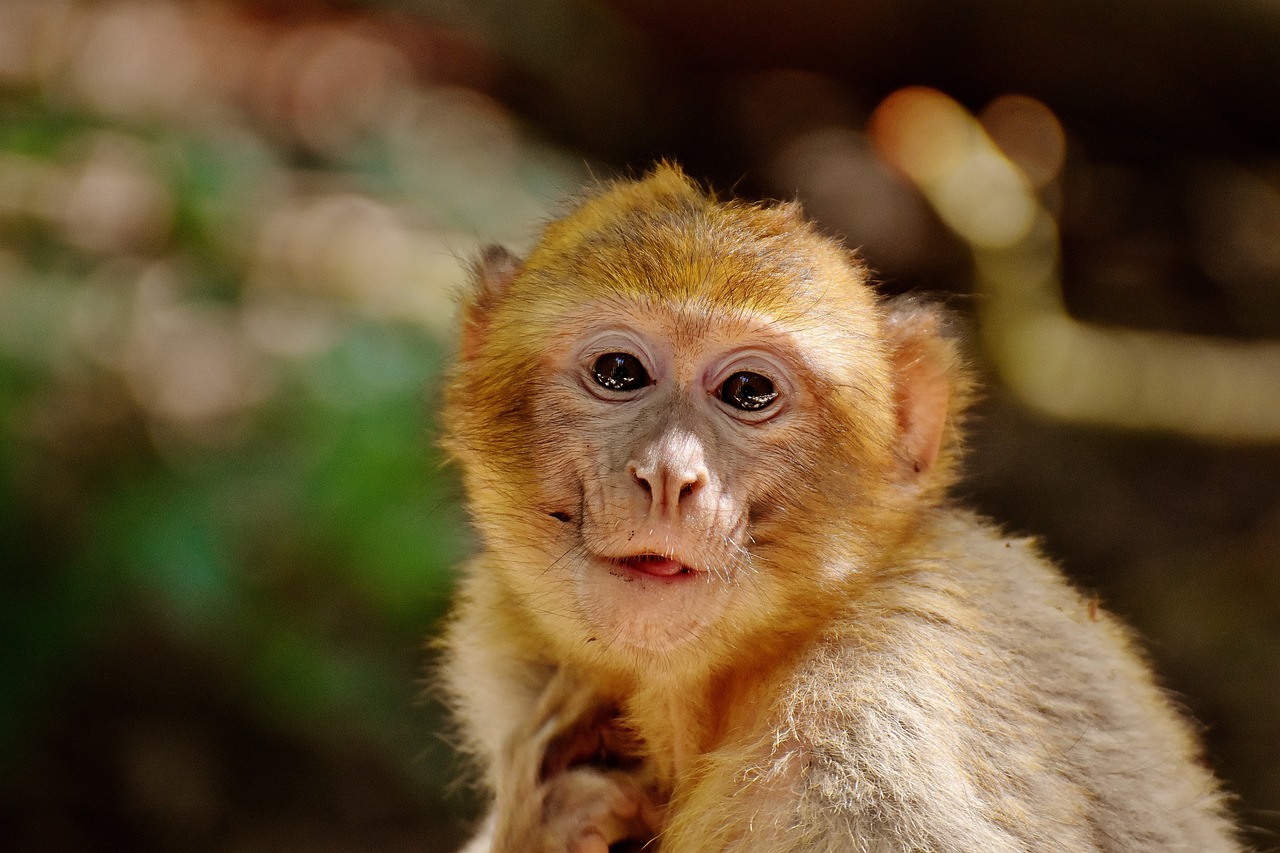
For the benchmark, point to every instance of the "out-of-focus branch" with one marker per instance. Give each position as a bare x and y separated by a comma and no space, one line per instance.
1210,388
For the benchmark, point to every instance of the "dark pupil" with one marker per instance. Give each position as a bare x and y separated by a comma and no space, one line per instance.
748,391
620,371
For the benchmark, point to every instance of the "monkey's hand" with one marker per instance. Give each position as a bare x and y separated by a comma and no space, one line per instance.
587,810
571,779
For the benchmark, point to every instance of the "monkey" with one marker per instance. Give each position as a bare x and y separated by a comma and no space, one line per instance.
723,600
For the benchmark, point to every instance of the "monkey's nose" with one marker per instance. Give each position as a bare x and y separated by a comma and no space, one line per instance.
667,485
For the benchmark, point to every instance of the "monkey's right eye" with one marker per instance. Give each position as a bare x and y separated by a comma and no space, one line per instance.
620,371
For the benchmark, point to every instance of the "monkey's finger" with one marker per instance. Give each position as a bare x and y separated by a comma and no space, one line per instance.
592,842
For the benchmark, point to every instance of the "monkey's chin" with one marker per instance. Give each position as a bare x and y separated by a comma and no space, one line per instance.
653,607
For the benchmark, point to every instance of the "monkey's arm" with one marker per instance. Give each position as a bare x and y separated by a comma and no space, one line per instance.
563,774
570,780
491,678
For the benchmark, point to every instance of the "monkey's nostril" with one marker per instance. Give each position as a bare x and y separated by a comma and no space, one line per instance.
634,470
686,490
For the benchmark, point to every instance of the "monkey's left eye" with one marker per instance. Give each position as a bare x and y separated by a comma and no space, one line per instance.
620,371
749,392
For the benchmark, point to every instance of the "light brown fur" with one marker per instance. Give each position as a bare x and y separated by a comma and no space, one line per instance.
854,664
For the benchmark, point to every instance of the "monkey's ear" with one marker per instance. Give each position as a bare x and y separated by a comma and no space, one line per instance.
930,388
491,278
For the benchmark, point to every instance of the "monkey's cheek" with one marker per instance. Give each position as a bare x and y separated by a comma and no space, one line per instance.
648,613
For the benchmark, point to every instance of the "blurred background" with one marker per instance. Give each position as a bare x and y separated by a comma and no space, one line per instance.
229,237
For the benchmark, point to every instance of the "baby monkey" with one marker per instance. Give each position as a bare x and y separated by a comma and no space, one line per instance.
723,602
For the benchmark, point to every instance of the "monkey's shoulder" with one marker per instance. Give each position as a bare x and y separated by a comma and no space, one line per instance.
979,618
978,682
963,575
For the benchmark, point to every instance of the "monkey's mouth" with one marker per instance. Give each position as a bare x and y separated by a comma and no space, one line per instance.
654,565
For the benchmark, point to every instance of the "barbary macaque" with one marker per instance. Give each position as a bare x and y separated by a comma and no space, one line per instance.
723,601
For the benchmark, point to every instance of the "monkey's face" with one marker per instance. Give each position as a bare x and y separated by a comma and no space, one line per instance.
678,427
689,466
668,435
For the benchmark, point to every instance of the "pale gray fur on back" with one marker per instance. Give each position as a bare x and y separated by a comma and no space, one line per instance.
1006,714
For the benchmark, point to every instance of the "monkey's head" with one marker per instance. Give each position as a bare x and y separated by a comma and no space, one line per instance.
688,424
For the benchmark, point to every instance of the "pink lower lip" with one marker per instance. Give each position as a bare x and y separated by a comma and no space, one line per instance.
658,567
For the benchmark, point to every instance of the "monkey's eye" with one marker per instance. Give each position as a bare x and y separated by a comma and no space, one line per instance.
620,371
749,392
